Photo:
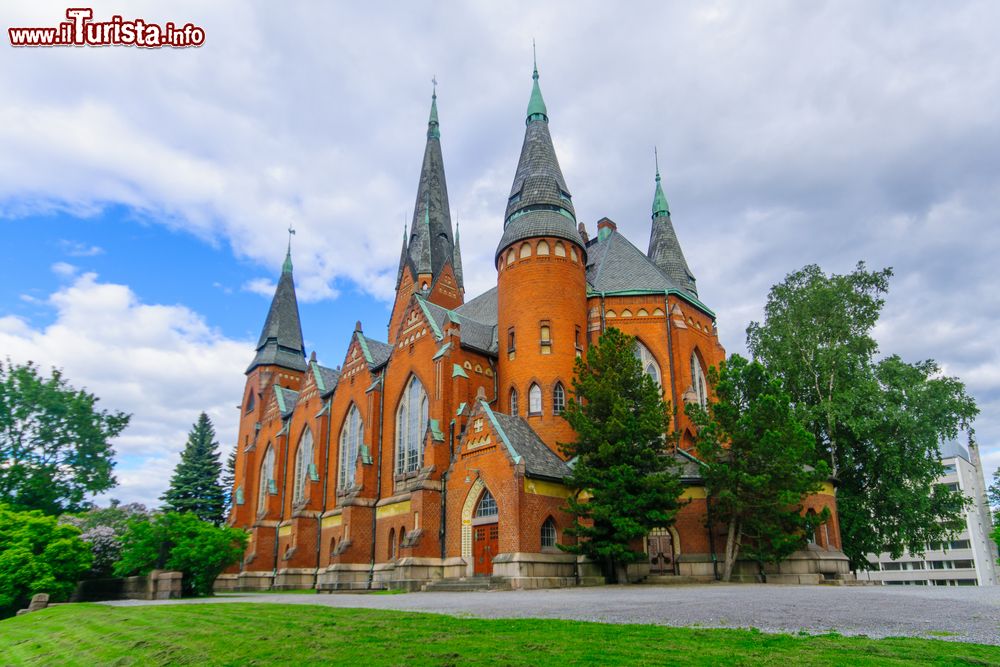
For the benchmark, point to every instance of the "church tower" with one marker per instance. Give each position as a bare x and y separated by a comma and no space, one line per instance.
541,285
429,264
280,360
664,248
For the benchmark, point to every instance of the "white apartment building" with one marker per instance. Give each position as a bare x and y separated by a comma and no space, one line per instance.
970,559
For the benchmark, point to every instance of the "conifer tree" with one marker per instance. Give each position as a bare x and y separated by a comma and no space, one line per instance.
228,480
757,458
195,486
625,471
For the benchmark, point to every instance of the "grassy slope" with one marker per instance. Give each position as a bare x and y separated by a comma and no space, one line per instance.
242,634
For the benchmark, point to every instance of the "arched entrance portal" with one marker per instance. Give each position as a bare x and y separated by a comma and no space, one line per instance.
661,548
485,534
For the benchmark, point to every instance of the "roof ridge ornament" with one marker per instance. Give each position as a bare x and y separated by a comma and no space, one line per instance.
433,125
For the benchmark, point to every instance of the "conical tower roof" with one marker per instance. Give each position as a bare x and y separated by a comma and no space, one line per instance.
430,244
664,248
540,203
280,342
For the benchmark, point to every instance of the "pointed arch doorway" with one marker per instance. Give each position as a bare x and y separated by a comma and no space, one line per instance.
485,534
662,549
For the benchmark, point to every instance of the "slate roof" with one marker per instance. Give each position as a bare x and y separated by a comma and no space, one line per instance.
615,265
287,399
665,251
280,340
474,334
538,459
326,379
376,352
483,308
430,245
538,223
538,179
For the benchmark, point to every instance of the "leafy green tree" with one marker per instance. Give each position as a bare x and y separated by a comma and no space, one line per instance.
623,461
54,443
760,464
37,555
993,496
183,542
195,485
879,423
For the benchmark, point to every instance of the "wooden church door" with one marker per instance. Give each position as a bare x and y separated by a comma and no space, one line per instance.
484,547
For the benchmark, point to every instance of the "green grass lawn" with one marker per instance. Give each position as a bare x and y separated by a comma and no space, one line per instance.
256,634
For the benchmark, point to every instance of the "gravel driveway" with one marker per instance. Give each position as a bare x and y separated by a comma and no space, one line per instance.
968,614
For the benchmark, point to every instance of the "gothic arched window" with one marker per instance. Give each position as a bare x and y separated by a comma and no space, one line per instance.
351,435
648,361
543,248
411,425
698,380
487,506
558,399
513,401
535,400
267,483
303,459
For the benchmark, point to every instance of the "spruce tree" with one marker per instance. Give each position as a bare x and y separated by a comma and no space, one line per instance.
195,486
625,470
228,480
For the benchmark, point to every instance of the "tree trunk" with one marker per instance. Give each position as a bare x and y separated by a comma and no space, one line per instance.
733,535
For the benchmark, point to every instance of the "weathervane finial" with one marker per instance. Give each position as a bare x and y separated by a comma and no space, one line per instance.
656,160
434,81
534,58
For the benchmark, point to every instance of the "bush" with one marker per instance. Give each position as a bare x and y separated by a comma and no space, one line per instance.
38,555
103,528
180,542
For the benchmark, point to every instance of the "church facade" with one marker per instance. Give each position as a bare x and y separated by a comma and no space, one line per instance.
433,454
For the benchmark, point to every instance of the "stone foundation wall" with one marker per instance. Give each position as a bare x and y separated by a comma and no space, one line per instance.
544,570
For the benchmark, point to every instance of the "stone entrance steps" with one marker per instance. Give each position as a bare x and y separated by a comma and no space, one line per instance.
466,584
670,580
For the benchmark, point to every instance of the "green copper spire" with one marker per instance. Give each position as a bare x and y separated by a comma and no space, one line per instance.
660,206
536,105
433,127
287,266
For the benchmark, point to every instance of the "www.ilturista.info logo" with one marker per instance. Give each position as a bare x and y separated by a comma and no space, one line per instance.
81,30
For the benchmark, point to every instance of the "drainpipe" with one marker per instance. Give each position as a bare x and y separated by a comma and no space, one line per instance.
670,359
378,473
496,390
284,482
444,486
326,476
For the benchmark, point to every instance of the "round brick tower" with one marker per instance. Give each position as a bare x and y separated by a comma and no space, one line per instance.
541,286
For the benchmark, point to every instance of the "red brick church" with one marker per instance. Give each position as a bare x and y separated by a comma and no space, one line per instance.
433,454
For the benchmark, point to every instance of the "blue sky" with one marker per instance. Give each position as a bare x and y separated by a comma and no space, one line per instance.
145,194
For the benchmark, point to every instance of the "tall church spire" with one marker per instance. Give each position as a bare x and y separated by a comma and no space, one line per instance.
280,342
402,258
458,261
540,202
430,244
664,248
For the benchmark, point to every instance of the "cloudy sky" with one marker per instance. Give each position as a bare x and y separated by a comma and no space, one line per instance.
145,194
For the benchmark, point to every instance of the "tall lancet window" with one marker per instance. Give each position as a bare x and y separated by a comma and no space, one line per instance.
535,400
303,459
351,435
648,361
698,381
267,484
411,425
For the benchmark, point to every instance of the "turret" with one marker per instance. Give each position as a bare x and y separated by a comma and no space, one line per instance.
541,285
664,248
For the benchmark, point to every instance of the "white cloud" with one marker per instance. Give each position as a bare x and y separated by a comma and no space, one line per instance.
162,364
64,269
77,249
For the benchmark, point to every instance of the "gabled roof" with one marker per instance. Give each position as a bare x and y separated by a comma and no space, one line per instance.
524,445
286,398
376,352
483,308
615,266
473,333
280,340
326,378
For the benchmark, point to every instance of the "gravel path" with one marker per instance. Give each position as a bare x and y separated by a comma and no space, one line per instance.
968,614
